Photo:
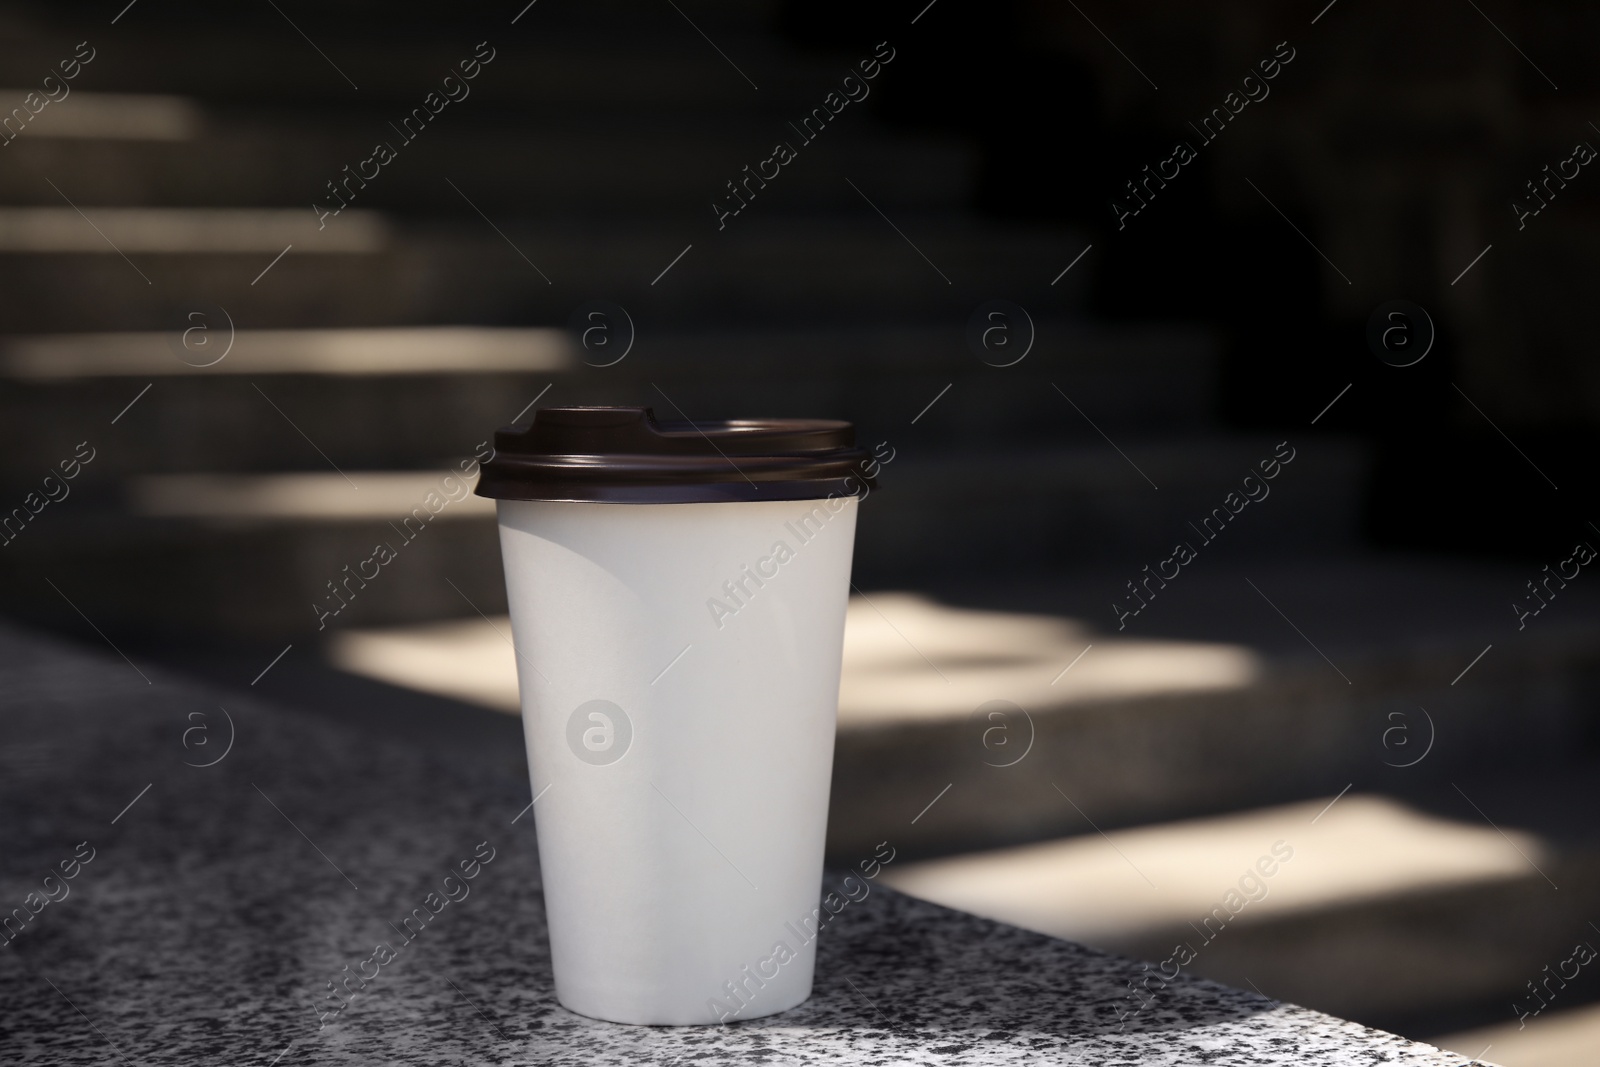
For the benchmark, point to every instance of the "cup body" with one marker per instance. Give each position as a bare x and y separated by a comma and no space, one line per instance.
679,675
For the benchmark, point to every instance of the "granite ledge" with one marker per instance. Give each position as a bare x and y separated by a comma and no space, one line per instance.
221,901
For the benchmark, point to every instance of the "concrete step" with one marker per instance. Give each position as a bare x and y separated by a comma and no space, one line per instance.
189,551
112,150
146,265
1360,906
1014,712
647,54
399,397
1247,679
1069,506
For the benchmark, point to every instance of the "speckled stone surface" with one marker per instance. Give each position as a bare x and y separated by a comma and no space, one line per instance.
216,908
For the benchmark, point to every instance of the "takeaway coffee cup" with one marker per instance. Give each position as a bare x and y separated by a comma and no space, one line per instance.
677,599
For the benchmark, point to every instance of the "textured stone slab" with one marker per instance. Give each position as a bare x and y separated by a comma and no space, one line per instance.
220,900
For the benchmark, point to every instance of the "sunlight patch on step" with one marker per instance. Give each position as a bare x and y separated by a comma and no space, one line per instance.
469,661
408,350
1104,889
112,117
376,495
908,657
129,231
983,654
1551,1039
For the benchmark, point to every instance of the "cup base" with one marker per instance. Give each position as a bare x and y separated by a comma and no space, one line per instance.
597,1008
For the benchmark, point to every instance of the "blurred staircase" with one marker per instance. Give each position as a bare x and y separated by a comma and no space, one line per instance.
161,215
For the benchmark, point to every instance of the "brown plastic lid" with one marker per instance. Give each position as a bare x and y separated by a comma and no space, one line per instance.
623,455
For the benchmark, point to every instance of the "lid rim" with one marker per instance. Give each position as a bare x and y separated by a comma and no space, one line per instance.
704,493
623,455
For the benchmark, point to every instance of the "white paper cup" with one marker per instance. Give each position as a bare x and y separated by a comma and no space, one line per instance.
679,672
